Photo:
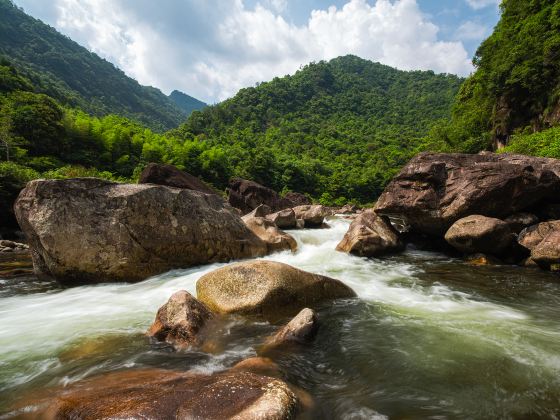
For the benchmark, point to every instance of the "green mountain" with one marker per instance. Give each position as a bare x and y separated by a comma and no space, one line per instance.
515,90
336,130
187,103
76,77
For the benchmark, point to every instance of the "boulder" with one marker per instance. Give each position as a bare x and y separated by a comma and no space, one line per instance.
370,235
248,195
260,366
347,209
170,176
91,230
266,289
301,329
480,234
180,321
297,199
543,240
276,240
312,215
284,219
519,221
433,191
164,394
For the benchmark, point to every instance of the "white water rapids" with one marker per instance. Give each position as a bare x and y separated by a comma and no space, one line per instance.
36,328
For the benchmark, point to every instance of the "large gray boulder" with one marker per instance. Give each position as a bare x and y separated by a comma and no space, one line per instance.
266,289
247,195
370,235
474,234
433,191
92,230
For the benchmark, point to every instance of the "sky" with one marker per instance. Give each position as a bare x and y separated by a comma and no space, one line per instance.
212,48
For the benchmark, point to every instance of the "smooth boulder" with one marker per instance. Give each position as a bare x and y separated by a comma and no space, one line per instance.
276,240
164,394
170,176
370,235
284,219
180,321
88,230
302,329
248,195
543,241
312,215
480,234
434,190
266,289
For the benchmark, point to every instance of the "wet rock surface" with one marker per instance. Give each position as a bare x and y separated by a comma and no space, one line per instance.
480,234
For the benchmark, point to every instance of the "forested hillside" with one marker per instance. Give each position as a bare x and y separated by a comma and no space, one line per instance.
515,90
337,130
186,102
72,75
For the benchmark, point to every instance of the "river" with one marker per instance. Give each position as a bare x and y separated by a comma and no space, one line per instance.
429,336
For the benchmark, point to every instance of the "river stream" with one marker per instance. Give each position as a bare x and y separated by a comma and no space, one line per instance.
429,337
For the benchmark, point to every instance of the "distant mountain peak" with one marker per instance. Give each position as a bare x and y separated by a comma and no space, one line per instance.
186,102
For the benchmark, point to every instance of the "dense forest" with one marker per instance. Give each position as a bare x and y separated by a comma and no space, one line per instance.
515,90
186,102
76,77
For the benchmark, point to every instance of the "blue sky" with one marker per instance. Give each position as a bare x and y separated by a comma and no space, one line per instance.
212,48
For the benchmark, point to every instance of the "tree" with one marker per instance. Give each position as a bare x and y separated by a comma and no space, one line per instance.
6,137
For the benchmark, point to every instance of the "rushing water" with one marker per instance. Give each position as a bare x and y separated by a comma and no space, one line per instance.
429,336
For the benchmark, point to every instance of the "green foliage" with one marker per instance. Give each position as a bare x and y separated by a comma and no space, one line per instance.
545,143
13,178
185,102
516,83
69,73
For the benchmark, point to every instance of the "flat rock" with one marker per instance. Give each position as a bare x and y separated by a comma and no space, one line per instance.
163,394
434,190
266,289
370,235
88,230
480,234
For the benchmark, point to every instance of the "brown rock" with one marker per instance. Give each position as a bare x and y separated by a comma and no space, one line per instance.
301,329
170,176
260,366
312,215
482,259
370,235
266,289
519,221
297,199
92,230
163,394
477,233
276,240
533,235
284,219
547,252
180,320
433,191
248,195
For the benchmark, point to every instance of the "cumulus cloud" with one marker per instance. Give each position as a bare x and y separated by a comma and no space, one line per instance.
481,4
212,48
471,30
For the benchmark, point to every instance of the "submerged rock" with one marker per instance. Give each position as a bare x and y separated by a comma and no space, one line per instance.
169,175
248,195
180,321
313,216
276,240
301,329
260,366
433,191
370,235
477,233
266,289
163,394
92,230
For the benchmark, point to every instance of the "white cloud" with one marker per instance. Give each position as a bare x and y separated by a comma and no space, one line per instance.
481,4
471,30
212,48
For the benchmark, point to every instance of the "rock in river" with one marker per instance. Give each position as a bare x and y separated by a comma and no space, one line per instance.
370,235
266,289
180,321
248,195
474,234
92,230
433,191
163,394
312,215
276,240
543,240
301,329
